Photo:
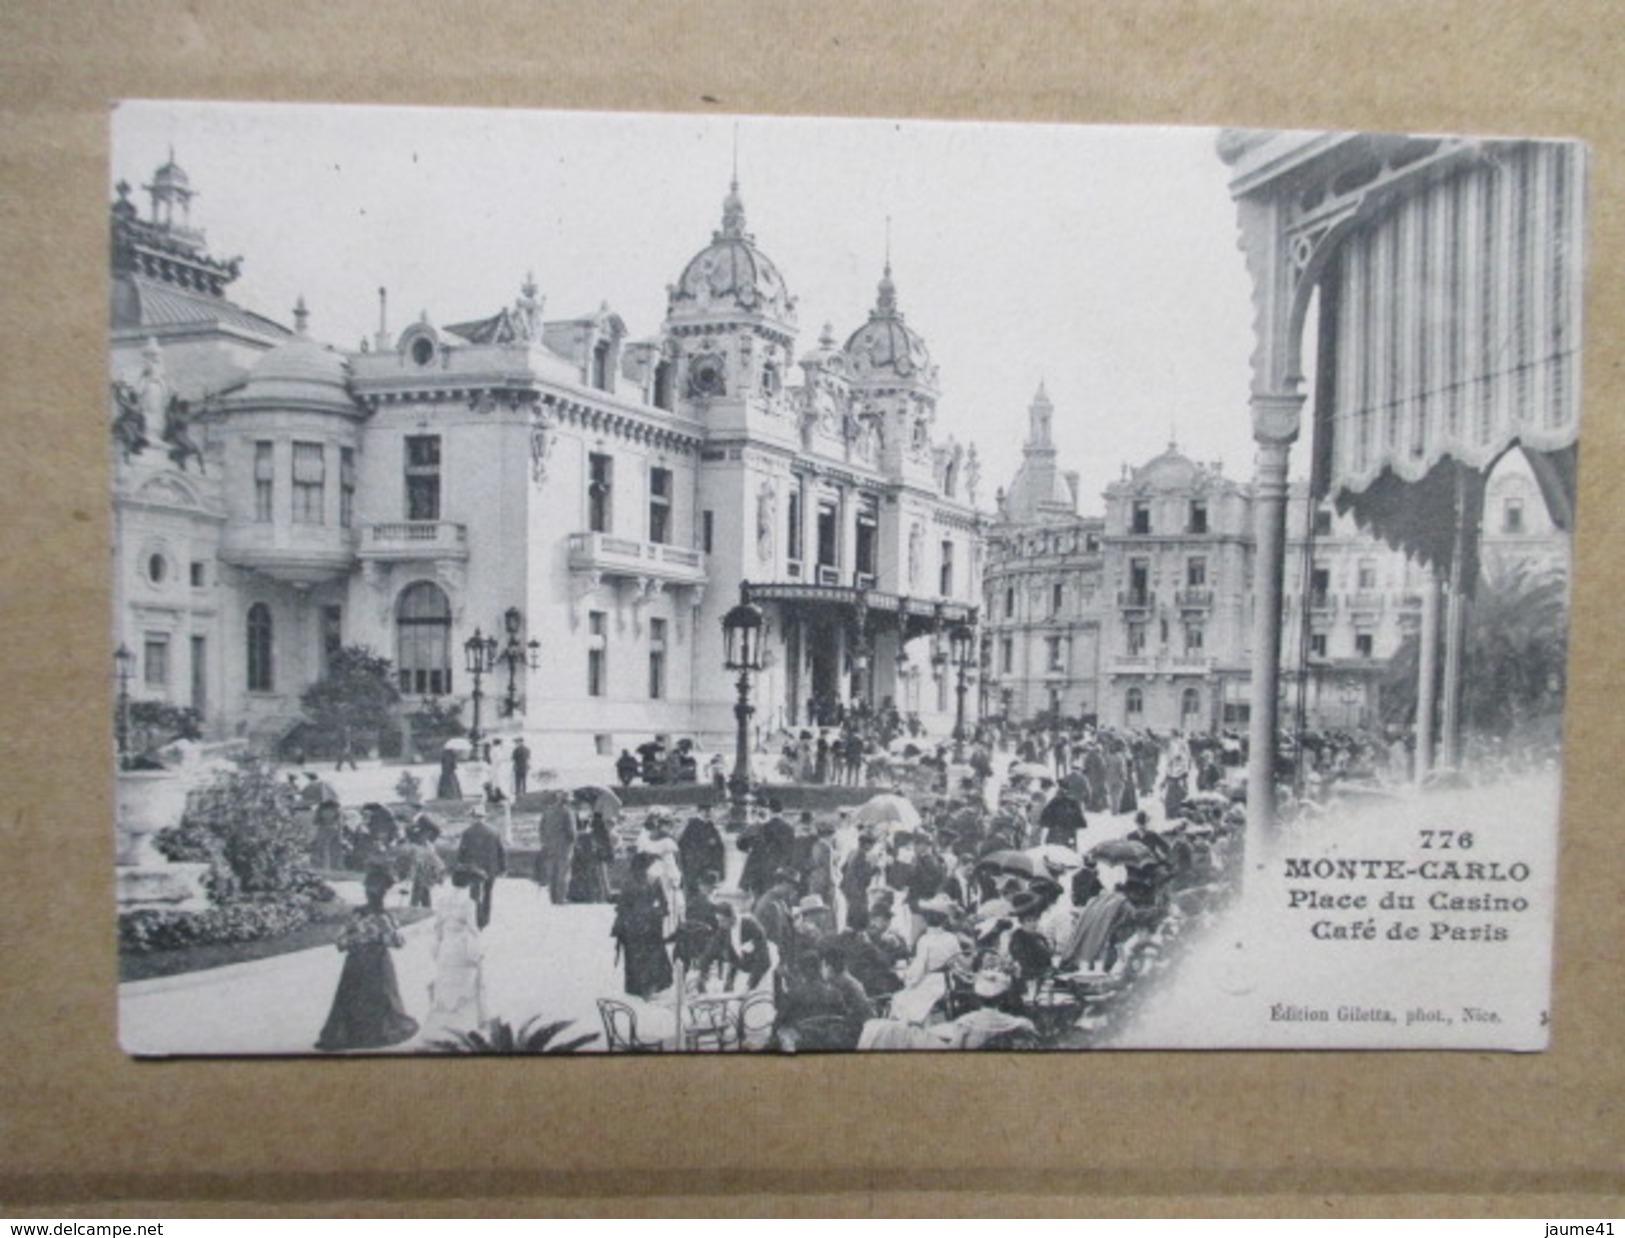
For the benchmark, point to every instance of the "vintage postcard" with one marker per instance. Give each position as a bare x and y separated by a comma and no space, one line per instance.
631,583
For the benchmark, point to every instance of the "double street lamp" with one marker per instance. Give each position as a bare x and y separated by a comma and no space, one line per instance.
517,654
742,630
481,654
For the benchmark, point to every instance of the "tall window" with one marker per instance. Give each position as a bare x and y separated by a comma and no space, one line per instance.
1320,586
309,483
1057,599
660,506
1198,515
1136,638
597,667
1195,573
1009,602
1512,516
156,659
1368,574
828,535
1139,582
346,487
332,635
423,477
1007,655
600,365
946,583
600,484
1317,644
657,659
423,641
1190,708
261,676
1363,645
1193,638
1057,653
1133,705
264,482
1323,522
868,537
792,550
708,530
1140,520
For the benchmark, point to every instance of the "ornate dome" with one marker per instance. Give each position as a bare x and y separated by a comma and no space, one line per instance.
1169,471
731,274
885,348
299,371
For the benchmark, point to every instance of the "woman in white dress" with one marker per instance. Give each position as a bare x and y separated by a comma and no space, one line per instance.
457,992
926,979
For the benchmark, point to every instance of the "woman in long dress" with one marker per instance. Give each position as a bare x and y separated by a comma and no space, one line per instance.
589,862
640,929
926,980
457,992
367,1012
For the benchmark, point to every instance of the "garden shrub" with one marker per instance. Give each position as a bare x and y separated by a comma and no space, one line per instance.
149,928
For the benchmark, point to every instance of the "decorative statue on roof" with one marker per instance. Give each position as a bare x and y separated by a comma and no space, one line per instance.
178,418
916,553
129,423
973,474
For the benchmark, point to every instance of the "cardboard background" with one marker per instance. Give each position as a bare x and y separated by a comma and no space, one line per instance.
83,1128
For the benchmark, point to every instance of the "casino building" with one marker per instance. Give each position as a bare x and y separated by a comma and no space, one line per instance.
590,498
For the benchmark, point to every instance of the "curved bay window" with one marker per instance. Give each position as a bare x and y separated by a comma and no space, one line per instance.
423,641
261,672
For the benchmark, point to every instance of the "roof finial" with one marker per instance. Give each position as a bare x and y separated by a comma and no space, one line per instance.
301,315
736,157
886,302
888,244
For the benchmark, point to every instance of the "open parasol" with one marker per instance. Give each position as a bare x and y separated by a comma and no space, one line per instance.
1121,851
1017,862
889,810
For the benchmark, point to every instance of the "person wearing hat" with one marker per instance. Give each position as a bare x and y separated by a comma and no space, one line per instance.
656,840
813,921
700,850
772,910
556,831
820,870
768,848
1026,947
1062,819
740,944
639,928
480,848
457,992
367,1012
424,868
925,981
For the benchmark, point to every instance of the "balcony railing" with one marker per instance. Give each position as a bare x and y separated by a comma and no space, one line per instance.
626,556
1366,599
1195,597
1324,602
415,539
828,574
1135,599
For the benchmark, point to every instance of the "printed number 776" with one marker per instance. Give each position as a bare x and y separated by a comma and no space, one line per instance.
1444,840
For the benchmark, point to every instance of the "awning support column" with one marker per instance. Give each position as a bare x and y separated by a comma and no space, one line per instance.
1427,674
1275,427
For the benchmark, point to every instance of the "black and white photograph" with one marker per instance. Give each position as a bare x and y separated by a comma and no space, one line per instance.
593,583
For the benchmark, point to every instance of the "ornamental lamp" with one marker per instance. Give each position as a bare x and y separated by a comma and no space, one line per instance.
512,620
962,642
480,652
742,631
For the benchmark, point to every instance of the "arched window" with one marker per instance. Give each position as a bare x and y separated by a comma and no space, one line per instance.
1190,709
423,641
1133,706
261,673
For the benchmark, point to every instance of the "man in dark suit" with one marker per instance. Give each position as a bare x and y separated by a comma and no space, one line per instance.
521,766
481,849
558,837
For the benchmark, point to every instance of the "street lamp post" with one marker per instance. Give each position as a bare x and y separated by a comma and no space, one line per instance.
516,654
742,630
962,646
125,661
481,653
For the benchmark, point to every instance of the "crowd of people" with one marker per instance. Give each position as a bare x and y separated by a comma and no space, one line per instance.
974,900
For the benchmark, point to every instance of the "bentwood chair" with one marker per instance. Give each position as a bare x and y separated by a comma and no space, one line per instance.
621,1029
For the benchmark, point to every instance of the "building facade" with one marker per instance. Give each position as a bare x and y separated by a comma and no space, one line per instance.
1144,617
592,500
